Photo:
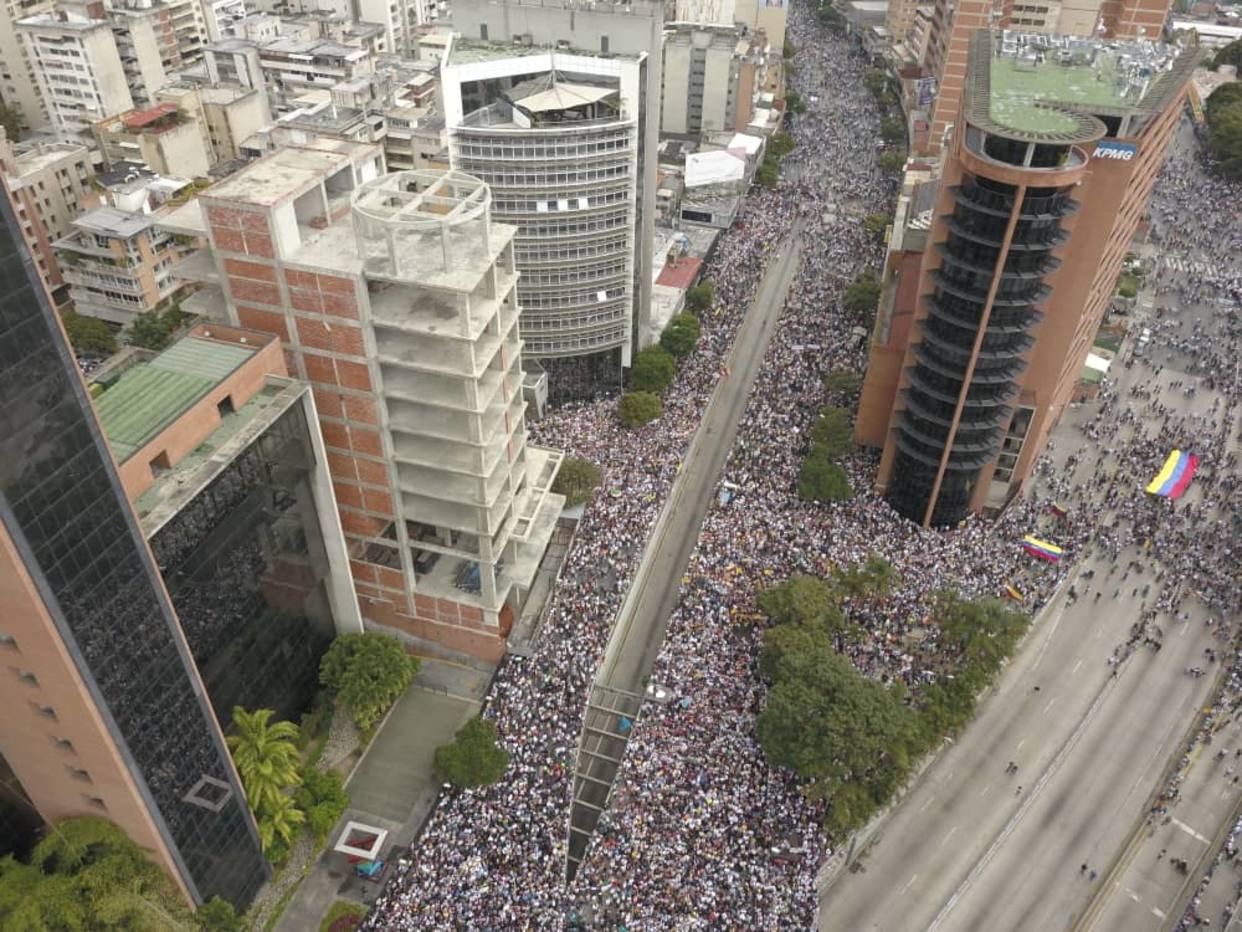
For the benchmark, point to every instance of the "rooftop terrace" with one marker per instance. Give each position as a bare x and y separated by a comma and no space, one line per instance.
152,395
1018,88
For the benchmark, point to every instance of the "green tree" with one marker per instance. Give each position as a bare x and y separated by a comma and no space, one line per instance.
832,433
767,175
89,336
367,673
12,121
822,481
979,632
154,330
793,102
473,758
87,874
875,224
700,297
1224,119
576,480
892,130
876,82
790,50
266,755
892,161
322,796
652,370
638,408
781,144
1230,54
278,823
681,335
862,296
843,383
217,915
799,600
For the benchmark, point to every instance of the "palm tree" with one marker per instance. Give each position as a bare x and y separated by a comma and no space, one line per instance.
279,819
266,757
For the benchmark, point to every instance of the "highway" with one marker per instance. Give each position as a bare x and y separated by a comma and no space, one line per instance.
653,594
972,848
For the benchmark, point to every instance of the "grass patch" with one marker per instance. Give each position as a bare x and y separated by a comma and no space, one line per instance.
340,909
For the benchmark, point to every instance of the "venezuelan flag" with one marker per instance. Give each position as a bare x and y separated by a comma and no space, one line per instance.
1174,475
1014,594
1042,549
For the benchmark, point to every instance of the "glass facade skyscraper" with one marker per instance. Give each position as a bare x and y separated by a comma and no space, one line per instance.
64,514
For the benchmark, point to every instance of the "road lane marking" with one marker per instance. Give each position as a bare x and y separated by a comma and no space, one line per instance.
1158,913
909,883
1190,831
1051,703
987,789
947,836
926,804
1019,747
1076,666
1028,801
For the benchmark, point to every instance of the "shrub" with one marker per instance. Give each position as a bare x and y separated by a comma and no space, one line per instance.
639,408
576,480
367,672
681,334
892,161
653,370
843,382
323,798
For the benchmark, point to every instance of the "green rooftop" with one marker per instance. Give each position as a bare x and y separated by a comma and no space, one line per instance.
1016,88
151,395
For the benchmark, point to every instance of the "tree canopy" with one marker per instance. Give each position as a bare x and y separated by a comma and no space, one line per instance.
13,122
1230,54
893,130
681,335
892,161
576,480
822,481
638,408
154,330
266,755
699,298
473,758
862,296
833,432
86,874
875,224
323,798
367,673
652,370
89,336
1224,120
844,383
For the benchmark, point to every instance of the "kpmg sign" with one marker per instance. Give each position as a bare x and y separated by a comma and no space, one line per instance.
1116,151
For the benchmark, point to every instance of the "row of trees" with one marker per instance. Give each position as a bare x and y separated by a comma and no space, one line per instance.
87,874
769,170
154,330
852,739
892,125
576,480
1224,120
655,367
363,675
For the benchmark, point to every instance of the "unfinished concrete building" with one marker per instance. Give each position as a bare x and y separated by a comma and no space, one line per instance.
395,296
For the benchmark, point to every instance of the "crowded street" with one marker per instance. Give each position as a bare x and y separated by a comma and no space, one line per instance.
700,832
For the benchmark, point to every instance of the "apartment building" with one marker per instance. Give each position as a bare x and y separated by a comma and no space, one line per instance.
394,296
46,184
19,87
714,77
118,264
164,138
77,65
221,16
979,346
416,140
225,115
148,48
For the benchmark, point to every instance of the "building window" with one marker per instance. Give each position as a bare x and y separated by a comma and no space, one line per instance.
225,406
483,31
161,464
26,676
603,44
8,642
82,776
95,801
64,744
44,710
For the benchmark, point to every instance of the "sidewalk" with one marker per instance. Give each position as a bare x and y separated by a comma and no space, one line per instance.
392,787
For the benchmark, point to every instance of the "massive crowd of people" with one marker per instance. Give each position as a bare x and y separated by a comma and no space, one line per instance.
700,833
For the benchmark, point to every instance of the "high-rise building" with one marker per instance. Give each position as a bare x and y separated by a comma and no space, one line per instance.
1056,149
105,711
607,45
394,296
955,21
47,184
